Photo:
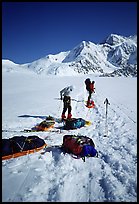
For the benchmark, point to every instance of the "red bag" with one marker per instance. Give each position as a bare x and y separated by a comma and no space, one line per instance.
71,145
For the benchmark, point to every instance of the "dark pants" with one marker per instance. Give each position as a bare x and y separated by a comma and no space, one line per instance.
67,104
89,97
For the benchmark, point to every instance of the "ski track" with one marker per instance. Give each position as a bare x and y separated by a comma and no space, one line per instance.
90,180
111,162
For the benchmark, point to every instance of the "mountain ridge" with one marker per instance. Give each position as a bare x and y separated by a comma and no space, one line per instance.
115,56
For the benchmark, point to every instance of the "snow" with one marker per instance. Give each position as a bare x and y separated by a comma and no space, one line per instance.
51,176
116,53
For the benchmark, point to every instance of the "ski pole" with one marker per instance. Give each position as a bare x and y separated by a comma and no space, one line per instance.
60,104
71,99
106,124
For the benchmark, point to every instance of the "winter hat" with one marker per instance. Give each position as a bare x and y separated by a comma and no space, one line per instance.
72,87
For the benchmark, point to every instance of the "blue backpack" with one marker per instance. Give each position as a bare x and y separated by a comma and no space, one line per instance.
74,123
89,151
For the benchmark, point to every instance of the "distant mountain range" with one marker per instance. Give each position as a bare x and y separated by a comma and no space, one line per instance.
115,56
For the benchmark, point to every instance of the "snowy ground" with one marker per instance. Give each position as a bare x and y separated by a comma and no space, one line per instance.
53,176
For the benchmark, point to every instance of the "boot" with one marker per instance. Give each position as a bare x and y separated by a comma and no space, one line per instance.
93,103
69,115
88,103
63,116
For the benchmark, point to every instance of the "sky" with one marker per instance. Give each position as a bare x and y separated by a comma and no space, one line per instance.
32,30
52,176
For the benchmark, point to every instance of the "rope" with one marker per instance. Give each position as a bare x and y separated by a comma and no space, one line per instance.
87,112
19,145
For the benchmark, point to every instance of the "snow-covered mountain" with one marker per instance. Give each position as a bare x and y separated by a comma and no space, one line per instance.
115,56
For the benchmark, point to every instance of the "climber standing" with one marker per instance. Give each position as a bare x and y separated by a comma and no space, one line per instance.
65,95
90,88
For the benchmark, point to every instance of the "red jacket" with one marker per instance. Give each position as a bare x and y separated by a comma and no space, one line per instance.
92,87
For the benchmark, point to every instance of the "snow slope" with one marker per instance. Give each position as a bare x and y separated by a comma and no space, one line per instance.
52,176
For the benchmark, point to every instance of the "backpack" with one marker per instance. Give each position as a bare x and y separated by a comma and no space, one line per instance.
80,146
44,125
87,81
74,123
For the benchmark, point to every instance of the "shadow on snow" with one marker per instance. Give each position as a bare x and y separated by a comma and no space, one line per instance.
33,116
